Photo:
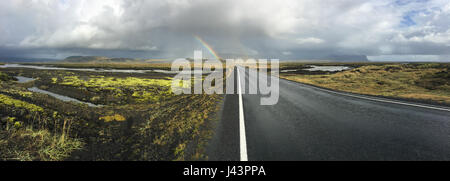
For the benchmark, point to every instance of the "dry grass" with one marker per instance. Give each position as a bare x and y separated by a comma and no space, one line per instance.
28,145
426,82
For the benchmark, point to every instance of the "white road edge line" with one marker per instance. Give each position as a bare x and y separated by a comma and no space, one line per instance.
243,139
383,100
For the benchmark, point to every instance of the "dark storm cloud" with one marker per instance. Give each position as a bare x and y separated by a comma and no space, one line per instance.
290,29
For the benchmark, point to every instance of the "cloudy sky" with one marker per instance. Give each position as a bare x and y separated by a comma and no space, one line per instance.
288,29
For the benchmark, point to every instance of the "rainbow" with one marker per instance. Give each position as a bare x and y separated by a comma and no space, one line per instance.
207,47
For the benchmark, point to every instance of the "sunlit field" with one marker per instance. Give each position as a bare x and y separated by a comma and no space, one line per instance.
130,116
425,82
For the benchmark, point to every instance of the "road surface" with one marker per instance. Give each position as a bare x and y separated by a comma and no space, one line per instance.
310,123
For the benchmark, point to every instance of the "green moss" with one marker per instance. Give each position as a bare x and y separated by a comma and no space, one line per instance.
4,99
140,89
100,81
17,124
18,92
5,77
95,98
11,119
115,117
154,96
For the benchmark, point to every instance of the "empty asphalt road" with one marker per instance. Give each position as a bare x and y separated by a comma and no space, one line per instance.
310,123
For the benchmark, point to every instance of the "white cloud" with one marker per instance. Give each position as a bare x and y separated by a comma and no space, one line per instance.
286,53
310,40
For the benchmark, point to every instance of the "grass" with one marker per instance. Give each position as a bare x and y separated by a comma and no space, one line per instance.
101,81
115,117
423,82
31,132
6,100
126,90
179,130
28,145
5,77
141,118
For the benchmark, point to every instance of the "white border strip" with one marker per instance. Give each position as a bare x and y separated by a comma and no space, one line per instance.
243,140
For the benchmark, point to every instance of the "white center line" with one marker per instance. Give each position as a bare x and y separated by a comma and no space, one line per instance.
243,140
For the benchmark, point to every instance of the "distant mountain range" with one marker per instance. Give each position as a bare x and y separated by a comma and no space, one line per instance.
334,58
347,58
103,59
324,58
87,59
